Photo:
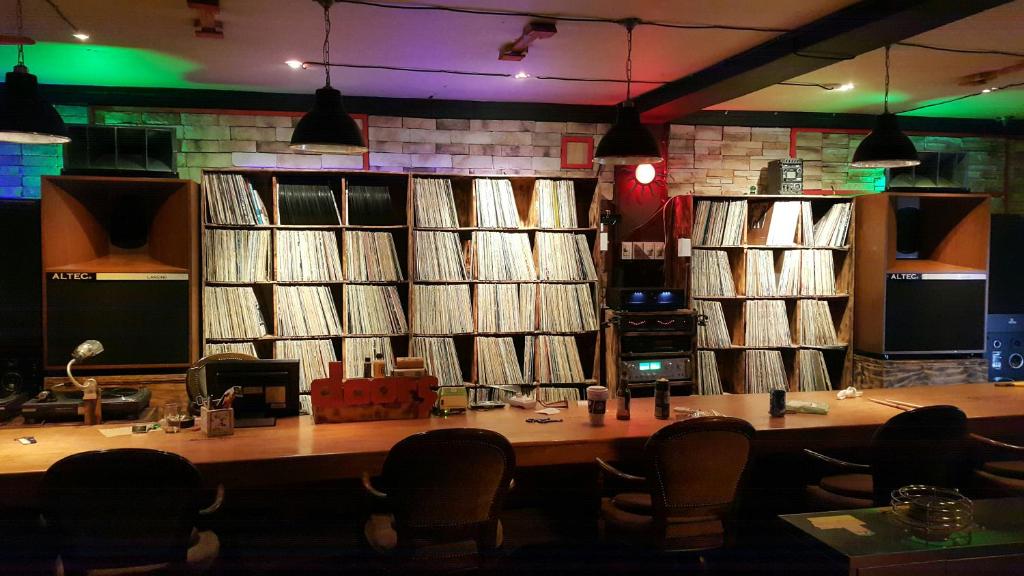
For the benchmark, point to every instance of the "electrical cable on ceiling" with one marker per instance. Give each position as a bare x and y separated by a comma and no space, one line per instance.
481,74
965,96
61,14
561,18
962,50
810,85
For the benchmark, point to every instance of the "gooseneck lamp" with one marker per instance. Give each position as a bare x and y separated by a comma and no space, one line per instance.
25,117
327,127
886,146
628,141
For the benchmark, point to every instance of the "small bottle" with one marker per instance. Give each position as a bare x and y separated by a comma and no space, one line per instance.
661,399
367,368
623,398
379,366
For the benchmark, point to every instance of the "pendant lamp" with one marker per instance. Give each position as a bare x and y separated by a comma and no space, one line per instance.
327,128
886,146
628,141
25,117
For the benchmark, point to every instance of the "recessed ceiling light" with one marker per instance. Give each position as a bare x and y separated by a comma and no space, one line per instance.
845,87
81,36
986,90
521,75
293,64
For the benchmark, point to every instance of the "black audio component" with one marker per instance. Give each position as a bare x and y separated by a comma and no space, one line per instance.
1005,351
654,344
653,323
784,176
645,299
118,403
120,151
673,369
1006,265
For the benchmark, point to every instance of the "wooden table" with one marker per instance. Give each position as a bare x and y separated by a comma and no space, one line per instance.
888,548
297,450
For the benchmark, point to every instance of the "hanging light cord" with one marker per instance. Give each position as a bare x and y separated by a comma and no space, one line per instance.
327,41
885,103
21,28
629,24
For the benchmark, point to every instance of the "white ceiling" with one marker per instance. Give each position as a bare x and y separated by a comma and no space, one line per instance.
917,76
150,43
261,34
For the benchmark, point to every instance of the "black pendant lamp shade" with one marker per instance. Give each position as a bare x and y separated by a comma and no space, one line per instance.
885,147
327,128
25,117
628,141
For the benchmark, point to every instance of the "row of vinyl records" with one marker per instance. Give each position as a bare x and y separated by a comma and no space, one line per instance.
764,371
767,324
546,359
233,312
801,273
724,223
313,256
553,204
231,199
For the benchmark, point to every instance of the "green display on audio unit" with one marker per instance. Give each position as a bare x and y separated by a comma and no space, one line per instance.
648,366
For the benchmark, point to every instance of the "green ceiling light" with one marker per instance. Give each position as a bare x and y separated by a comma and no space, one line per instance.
25,117
886,146
327,128
628,141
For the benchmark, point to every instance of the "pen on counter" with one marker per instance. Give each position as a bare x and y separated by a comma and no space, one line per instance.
1010,384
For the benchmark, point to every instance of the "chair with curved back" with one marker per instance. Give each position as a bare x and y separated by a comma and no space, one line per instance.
130,509
444,490
927,445
694,471
1001,470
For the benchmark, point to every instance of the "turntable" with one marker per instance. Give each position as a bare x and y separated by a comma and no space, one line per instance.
63,405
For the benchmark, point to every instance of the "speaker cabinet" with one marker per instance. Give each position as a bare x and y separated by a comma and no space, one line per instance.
21,298
921,268
119,259
146,151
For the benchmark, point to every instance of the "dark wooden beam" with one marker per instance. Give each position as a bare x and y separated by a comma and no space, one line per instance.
239,100
854,30
1009,127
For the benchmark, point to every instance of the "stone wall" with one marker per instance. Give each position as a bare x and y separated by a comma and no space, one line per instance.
702,159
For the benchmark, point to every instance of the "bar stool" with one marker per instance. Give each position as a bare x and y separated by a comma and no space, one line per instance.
926,445
694,471
128,511
444,490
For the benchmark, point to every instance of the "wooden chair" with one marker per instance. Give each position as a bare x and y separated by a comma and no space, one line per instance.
444,490
694,469
926,445
128,511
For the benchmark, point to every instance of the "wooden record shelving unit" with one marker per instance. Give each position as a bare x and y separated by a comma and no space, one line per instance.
731,359
401,187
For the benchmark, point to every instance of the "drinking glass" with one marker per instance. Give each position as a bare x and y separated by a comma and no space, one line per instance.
173,415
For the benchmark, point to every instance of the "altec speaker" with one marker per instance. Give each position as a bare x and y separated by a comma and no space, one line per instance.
20,305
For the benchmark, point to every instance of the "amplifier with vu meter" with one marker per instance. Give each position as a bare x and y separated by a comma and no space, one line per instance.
673,369
658,323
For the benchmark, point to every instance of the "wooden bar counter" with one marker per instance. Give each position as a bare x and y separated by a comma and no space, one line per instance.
297,450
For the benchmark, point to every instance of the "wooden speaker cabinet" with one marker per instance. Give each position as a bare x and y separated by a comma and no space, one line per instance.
921,273
119,266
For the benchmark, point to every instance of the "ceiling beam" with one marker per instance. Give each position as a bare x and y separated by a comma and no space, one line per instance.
842,35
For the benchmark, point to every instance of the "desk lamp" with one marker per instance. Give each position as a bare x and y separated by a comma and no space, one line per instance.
91,406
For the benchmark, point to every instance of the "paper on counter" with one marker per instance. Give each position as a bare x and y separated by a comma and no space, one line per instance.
841,521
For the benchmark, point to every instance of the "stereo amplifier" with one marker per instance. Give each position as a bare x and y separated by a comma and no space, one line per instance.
651,369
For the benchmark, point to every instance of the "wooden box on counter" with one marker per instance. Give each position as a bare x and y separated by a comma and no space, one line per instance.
336,399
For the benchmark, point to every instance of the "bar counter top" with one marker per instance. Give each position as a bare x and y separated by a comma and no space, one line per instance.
299,449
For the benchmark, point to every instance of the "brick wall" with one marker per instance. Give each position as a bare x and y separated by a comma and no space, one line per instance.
702,159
